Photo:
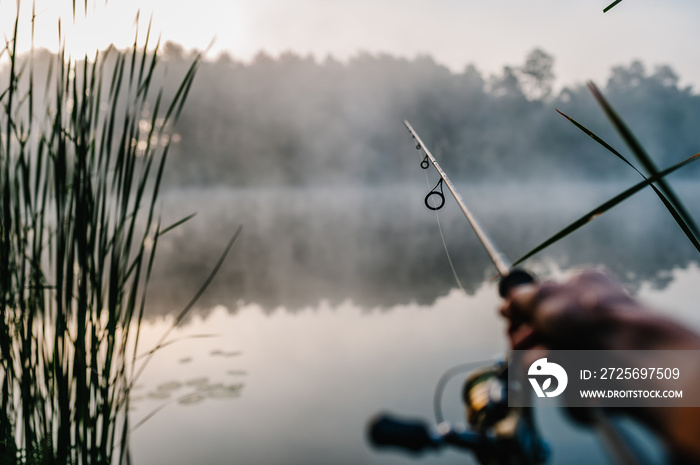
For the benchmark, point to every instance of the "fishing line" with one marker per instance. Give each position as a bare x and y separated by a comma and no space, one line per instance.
464,367
442,236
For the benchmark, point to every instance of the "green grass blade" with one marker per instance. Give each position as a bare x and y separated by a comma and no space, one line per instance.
181,93
643,158
72,198
599,210
678,217
144,54
176,224
143,90
593,136
175,341
609,7
192,302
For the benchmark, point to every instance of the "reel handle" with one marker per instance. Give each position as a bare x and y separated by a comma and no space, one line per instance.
385,430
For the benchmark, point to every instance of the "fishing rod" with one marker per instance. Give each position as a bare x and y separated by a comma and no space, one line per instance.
510,277
499,434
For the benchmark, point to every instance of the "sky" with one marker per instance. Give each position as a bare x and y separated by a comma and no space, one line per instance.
585,42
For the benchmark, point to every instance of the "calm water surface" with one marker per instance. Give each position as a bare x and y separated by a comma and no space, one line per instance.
337,304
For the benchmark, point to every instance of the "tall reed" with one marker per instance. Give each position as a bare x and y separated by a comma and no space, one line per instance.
79,180
654,176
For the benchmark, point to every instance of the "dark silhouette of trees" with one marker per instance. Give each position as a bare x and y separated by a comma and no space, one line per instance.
293,120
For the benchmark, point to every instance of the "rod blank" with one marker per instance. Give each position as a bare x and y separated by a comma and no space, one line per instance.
502,264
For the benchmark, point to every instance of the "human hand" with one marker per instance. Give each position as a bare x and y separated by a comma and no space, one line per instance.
593,311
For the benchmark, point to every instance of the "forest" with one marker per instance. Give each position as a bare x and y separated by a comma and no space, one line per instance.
298,121
331,126
293,120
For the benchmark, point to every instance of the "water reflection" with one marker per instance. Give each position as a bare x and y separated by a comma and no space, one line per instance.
380,247
316,375
298,354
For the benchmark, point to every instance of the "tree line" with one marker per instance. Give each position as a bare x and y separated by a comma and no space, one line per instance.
295,120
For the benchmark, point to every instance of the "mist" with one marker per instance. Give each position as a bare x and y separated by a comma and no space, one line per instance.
294,121
312,160
380,247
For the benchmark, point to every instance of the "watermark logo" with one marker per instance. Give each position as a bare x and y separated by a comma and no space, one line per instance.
542,368
604,378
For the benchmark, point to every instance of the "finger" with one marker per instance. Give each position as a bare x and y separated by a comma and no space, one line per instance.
520,302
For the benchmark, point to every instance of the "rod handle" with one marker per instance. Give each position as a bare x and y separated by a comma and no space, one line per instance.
516,277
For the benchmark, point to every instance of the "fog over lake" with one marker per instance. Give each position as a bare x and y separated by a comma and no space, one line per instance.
338,299
380,247
335,304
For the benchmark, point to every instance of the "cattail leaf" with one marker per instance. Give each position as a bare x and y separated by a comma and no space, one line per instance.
75,255
609,7
677,216
194,300
646,161
176,224
599,210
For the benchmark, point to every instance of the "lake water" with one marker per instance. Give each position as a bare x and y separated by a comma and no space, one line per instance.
335,304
